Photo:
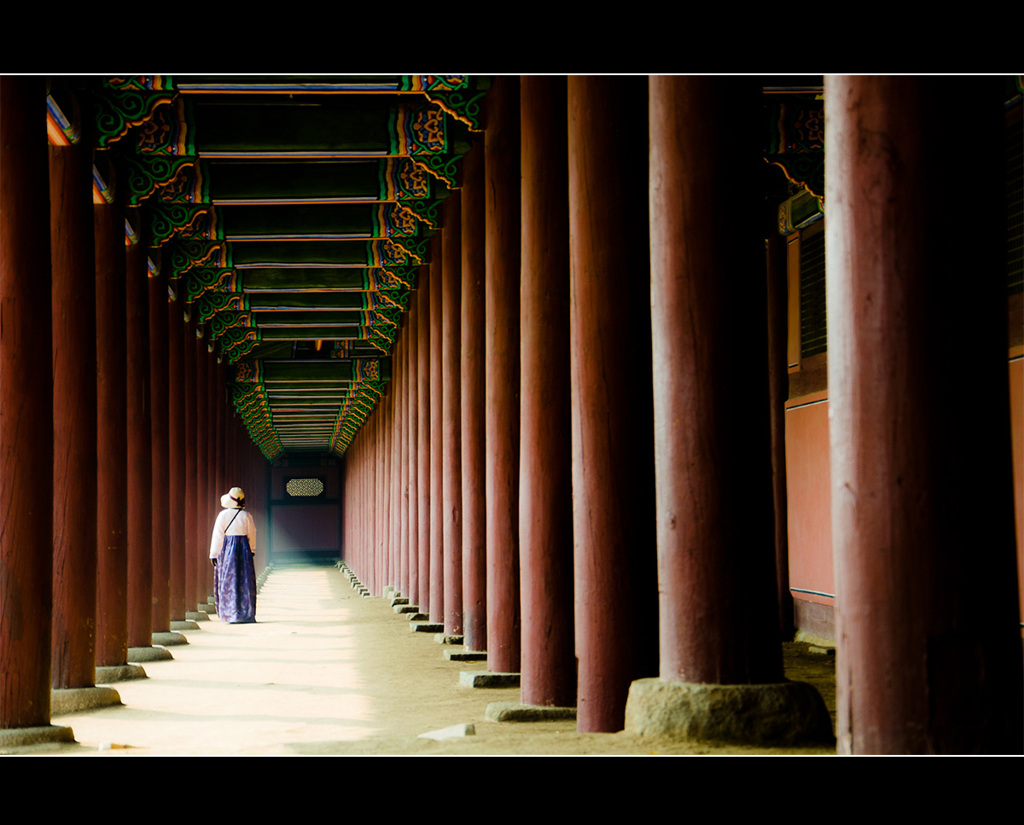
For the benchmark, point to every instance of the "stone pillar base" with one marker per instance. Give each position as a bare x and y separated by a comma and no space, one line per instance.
197,616
487,679
167,638
148,654
71,700
105,674
448,638
515,712
784,714
466,655
42,735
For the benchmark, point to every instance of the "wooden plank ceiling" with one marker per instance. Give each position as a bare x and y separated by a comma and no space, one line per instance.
291,215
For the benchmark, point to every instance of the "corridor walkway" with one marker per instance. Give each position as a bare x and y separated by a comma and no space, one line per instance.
324,671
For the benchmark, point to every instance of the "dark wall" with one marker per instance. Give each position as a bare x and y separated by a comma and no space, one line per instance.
305,509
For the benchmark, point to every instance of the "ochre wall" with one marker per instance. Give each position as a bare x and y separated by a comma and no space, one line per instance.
1017,434
810,500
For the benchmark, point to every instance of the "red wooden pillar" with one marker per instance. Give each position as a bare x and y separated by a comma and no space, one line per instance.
140,453
365,536
451,301
548,674
176,536
381,534
387,443
436,438
215,489
160,424
778,392
231,423
373,559
373,576
394,430
217,370
502,355
423,445
412,438
474,460
73,262
356,503
402,357
204,487
367,502
716,564
613,518
111,441
193,547
26,434
928,647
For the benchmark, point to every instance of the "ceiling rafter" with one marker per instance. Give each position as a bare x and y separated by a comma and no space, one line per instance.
290,215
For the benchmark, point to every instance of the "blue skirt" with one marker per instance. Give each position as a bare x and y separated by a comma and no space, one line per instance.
235,581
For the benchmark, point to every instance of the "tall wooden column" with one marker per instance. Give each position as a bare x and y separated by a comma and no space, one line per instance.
716,562
204,486
402,369
613,473
73,262
411,384
160,423
423,440
111,439
451,298
214,488
219,412
548,675
474,463
384,536
501,143
26,433
394,495
176,456
140,453
377,511
194,552
929,653
436,438
778,393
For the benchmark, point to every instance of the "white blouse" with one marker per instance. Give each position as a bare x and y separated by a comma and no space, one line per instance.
243,525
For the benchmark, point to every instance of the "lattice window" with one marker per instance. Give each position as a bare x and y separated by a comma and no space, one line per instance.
813,326
304,487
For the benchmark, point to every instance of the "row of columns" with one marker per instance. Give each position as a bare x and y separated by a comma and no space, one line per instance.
115,434
626,365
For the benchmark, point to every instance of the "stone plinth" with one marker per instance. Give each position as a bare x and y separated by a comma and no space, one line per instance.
167,638
41,735
515,712
148,654
73,700
486,679
105,674
784,714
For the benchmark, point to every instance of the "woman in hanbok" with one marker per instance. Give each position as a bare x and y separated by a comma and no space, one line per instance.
231,551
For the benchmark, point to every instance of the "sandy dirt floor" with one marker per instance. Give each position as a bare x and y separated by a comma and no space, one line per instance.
326,671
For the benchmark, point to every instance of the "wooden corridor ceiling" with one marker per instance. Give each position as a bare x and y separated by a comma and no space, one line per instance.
290,215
